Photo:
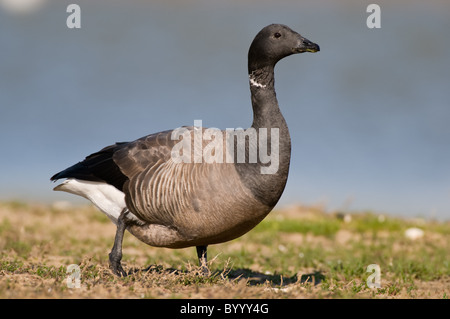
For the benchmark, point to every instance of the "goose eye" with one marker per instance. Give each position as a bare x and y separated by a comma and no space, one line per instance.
277,35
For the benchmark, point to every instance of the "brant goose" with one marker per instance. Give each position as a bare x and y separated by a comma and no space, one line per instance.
167,202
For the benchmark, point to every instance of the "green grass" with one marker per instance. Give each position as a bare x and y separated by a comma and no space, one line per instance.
380,241
315,255
322,227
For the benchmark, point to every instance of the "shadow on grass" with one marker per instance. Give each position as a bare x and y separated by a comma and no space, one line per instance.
253,278
258,278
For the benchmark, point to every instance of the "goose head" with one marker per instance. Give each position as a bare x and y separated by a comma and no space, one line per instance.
275,42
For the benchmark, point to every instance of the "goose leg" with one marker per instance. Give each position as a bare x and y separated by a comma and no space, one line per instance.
115,256
202,259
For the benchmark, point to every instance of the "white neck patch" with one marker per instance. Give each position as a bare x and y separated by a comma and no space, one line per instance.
255,83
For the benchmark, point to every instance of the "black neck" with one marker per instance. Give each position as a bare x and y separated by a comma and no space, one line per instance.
267,115
262,77
266,112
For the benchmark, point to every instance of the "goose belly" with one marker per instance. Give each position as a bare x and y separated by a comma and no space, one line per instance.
203,224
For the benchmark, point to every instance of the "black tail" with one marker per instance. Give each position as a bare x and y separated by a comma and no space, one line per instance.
97,167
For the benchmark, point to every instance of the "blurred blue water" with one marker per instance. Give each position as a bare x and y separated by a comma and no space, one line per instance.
369,114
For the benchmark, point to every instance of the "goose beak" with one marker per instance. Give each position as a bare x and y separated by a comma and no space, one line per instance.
306,46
